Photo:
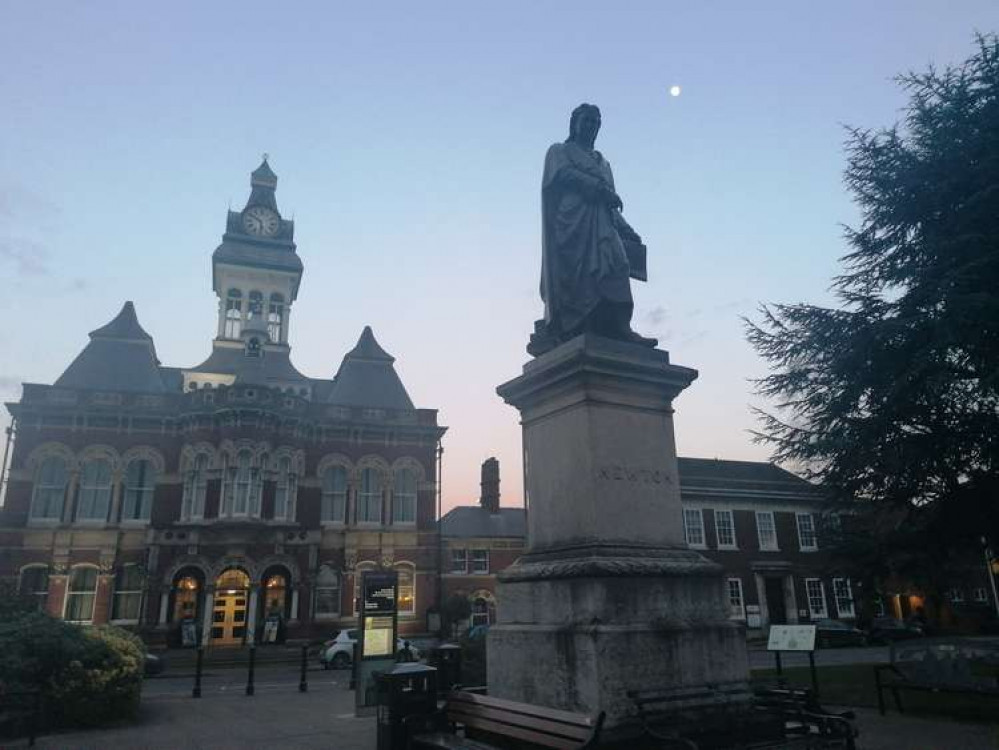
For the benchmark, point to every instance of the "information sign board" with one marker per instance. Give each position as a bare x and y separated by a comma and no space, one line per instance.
791,638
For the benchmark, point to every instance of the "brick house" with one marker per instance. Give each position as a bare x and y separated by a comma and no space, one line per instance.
230,493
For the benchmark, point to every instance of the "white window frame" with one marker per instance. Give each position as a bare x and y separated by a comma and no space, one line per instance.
479,562
688,514
955,596
737,611
718,526
325,586
841,610
481,618
70,593
980,595
331,494
799,517
232,323
459,554
816,614
121,594
769,514
91,498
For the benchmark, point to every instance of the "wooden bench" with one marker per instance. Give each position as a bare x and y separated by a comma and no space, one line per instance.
731,715
20,710
469,721
941,665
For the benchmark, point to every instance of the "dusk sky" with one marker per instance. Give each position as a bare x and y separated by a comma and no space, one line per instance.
409,139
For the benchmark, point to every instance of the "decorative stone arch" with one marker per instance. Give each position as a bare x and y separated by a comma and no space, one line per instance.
190,452
242,563
297,456
47,450
408,462
197,562
100,450
283,561
372,461
334,459
144,452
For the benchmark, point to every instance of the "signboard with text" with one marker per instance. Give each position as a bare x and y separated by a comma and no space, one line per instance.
791,638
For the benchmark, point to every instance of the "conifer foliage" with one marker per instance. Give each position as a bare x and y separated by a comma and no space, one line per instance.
891,398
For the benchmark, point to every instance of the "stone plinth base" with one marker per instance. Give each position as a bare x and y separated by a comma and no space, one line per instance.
578,630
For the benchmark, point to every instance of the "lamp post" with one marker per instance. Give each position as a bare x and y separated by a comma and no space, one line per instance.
440,543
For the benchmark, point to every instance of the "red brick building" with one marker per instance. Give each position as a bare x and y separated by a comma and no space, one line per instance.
227,494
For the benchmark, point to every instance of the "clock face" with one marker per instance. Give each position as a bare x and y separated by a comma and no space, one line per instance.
261,221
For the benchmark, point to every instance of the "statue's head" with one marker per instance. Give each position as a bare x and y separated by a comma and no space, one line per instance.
584,124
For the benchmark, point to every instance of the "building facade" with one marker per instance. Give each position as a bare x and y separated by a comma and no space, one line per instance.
759,522
230,502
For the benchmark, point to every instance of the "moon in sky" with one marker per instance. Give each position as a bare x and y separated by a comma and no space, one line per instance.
674,91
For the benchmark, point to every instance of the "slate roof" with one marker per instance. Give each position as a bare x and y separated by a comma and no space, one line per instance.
242,251
367,378
263,175
274,367
119,357
743,478
473,521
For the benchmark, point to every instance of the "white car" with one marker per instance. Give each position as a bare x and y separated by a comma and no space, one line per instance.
338,653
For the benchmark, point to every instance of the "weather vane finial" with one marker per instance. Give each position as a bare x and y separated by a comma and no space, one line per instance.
266,156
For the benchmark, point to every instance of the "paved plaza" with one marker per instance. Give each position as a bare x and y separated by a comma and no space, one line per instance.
278,717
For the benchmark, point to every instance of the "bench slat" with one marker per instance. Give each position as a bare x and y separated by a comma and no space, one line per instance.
564,717
520,733
464,714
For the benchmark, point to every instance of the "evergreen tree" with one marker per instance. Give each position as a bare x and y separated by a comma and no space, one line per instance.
891,399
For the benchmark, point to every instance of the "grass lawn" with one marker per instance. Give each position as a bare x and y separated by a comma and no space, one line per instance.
853,685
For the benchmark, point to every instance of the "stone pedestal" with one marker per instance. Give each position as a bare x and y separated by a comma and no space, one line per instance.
608,598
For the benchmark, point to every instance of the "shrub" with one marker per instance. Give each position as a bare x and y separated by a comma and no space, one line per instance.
87,676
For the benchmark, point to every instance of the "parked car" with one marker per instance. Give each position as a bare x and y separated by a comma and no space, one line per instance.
889,629
830,633
338,653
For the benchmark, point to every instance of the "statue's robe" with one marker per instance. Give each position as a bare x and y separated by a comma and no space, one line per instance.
583,257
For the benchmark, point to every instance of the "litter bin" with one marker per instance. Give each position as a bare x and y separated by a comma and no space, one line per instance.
408,690
447,659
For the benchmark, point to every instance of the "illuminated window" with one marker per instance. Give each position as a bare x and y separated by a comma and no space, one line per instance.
95,491
127,593
406,592
80,595
404,498
186,592
50,489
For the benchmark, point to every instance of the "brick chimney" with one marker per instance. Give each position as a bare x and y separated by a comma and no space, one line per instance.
490,497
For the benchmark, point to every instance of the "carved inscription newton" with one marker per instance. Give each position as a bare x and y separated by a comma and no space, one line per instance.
622,473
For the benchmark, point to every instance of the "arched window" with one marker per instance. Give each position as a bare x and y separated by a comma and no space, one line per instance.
80,595
256,303
233,314
404,497
286,491
241,495
127,594
195,489
95,490
483,611
327,593
140,481
275,316
369,497
406,592
334,500
50,489
34,583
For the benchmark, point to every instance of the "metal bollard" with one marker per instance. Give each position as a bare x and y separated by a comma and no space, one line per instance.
303,685
196,693
253,660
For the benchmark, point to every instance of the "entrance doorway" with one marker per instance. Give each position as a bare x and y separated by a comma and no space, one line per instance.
776,607
229,609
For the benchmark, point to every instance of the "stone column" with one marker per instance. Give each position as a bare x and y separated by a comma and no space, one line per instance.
293,614
56,598
607,598
102,598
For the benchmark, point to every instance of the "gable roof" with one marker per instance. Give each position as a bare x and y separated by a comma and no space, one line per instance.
367,378
473,521
119,357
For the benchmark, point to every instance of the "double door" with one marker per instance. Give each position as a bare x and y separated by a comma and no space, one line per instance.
229,611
